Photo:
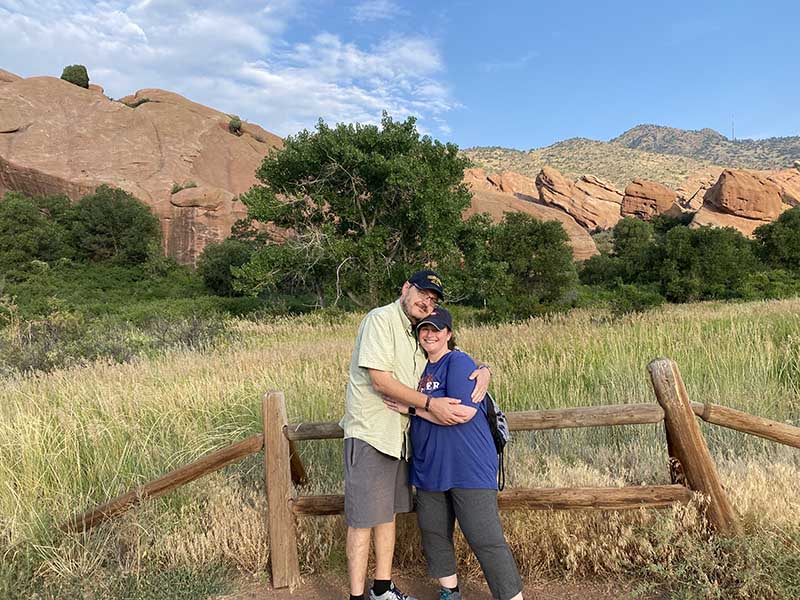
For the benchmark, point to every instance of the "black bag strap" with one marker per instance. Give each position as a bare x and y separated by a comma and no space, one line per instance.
501,471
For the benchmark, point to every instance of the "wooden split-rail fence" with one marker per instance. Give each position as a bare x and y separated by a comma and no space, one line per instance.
692,467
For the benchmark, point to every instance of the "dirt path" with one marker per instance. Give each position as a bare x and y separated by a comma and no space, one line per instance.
334,587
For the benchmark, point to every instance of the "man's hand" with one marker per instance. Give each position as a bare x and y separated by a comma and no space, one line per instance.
481,377
395,405
449,411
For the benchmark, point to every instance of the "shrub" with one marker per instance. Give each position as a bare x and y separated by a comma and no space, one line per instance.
778,243
235,125
113,225
77,75
634,299
216,262
539,272
32,229
704,264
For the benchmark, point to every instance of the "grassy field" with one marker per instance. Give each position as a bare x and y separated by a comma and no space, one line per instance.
76,437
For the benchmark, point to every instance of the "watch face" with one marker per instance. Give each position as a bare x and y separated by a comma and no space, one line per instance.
412,410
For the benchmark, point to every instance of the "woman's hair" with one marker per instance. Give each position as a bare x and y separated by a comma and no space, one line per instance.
451,343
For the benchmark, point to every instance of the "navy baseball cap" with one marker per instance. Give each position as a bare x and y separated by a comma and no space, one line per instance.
427,280
439,318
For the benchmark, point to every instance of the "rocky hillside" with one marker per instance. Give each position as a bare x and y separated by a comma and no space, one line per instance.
661,154
578,156
177,156
711,146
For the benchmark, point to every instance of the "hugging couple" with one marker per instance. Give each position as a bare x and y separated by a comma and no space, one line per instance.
415,415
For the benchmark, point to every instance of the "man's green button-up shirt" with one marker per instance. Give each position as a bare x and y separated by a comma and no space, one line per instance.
385,342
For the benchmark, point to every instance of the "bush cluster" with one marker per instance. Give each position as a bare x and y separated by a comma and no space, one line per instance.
666,260
108,225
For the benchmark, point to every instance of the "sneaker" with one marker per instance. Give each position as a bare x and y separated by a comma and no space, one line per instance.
392,594
448,595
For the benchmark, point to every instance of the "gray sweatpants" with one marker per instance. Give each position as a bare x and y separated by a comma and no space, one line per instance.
479,519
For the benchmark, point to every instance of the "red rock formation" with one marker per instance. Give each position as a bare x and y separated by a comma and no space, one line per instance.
488,198
788,181
8,77
592,202
646,199
745,194
56,137
693,189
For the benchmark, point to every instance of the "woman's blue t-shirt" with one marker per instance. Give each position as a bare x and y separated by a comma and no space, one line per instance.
455,456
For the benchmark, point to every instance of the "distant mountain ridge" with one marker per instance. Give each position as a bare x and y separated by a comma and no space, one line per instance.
575,157
662,154
711,146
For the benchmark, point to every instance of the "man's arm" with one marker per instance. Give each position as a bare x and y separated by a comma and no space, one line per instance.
448,411
422,414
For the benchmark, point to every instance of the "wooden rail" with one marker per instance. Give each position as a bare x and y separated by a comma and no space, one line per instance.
181,476
531,420
174,479
612,498
783,433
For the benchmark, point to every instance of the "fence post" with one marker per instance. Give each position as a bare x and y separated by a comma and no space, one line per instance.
688,445
282,534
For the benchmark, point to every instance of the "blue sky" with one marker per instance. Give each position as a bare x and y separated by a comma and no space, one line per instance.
514,74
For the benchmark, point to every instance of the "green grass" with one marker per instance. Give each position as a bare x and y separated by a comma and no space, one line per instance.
77,437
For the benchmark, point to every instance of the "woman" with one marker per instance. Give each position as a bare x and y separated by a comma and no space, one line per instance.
455,470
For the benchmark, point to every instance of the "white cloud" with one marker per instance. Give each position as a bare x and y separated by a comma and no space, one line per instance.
376,10
232,55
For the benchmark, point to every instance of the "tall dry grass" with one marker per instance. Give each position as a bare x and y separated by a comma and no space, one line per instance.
73,438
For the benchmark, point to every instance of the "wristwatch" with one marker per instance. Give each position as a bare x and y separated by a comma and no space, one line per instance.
412,411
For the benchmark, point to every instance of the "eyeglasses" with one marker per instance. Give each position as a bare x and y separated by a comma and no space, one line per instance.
429,297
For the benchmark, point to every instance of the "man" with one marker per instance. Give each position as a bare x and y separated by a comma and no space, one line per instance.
387,360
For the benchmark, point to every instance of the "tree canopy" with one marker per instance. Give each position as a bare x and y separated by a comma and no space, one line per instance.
364,204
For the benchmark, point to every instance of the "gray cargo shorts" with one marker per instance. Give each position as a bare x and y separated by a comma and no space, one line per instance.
375,485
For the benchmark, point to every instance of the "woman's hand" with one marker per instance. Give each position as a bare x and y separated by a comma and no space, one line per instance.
481,377
395,405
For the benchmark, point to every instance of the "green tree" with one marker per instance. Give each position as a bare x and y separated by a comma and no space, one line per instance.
217,261
633,245
111,224
32,229
539,268
365,205
472,274
778,243
235,125
77,75
705,263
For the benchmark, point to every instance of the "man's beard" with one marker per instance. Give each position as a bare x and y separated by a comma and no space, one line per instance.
405,304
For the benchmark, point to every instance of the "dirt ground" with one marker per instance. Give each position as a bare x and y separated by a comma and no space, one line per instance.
334,587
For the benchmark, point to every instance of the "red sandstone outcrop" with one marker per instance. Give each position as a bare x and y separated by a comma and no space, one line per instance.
707,216
646,199
514,183
693,189
489,198
8,77
592,202
788,181
745,194
56,137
